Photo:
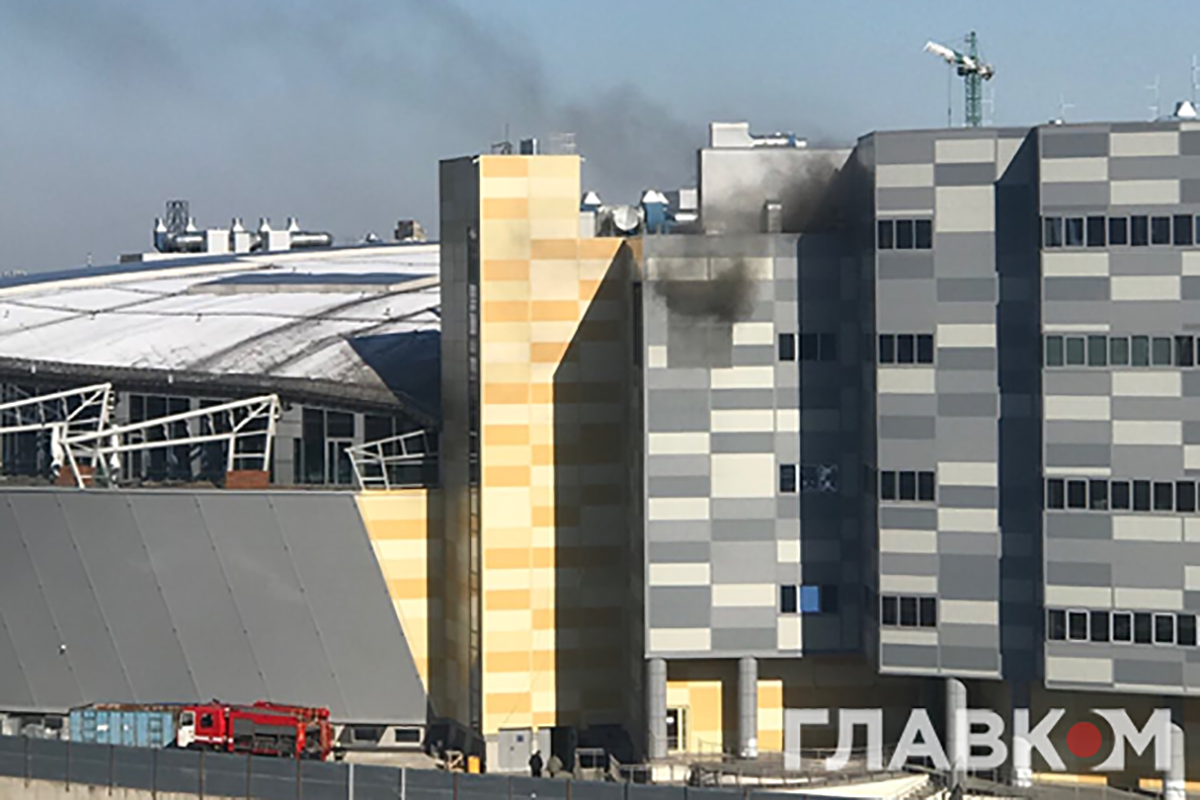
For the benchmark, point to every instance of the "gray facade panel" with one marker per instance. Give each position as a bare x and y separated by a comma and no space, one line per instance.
969,578
678,411
909,518
978,174
968,496
908,564
739,399
966,290
968,544
1076,289
904,148
1078,526
665,466
969,359
916,200
907,427
680,606
1133,670
744,639
1076,573
677,531
972,658
908,655
678,552
1078,455
968,405
1153,168
1074,196
742,442
1073,145
743,530
742,508
686,486
904,266
741,562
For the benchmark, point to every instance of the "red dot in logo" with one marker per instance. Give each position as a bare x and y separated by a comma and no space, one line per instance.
1084,739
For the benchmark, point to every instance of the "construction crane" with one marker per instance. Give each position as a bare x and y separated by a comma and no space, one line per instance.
973,72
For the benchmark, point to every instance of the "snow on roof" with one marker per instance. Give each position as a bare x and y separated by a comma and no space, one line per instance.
318,316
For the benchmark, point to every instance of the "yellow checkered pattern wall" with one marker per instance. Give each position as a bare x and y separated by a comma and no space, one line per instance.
554,364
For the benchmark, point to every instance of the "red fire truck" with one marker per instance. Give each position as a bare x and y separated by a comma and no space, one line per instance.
265,729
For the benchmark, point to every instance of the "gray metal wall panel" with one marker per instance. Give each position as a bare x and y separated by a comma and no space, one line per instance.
342,581
212,633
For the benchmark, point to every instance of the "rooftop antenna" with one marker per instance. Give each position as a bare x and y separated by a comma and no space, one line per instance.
1195,79
989,105
1155,110
1063,105
972,70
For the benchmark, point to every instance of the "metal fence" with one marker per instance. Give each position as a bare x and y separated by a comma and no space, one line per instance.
204,775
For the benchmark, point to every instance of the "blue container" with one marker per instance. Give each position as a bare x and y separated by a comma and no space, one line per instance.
129,728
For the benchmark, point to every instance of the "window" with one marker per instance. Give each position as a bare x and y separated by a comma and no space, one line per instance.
787,478
787,599
925,348
1139,231
1183,229
1160,351
787,347
1073,228
810,599
1139,352
1056,493
1054,351
1097,351
366,733
407,735
810,347
908,612
887,348
908,486
1120,495
1185,351
1185,496
827,346
1118,230
1076,494
906,351
1164,629
1141,495
1098,495
889,610
829,599
1118,351
924,232
1099,626
887,234
1095,232
1052,232
1160,230
1164,496
1142,628
904,234
887,485
1076,351
925,488
206,720
1186,629
1122,626
927,612
1056,625
1077,626
187,718
676,728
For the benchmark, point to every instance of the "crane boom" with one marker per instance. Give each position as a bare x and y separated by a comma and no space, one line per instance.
972,70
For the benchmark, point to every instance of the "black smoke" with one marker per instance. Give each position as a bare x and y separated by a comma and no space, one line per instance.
727,297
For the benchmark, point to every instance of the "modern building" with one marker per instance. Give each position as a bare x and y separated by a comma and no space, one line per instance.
902,425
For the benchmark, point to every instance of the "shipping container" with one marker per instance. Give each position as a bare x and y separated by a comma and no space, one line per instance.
127,727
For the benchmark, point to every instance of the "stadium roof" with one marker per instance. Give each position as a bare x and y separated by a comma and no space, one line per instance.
359,325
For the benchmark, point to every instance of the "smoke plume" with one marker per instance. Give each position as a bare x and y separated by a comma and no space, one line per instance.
808,197
727,297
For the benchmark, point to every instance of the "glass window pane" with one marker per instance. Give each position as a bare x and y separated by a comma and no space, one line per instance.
1186,629
1141,495
1073,236
1160,351
1183,230
887,485
887,235
925,348
1142,628
1185,353
1118,230
787,347
1054,351
1098,495
1185,496
1056,493
1118,351
904,234
1139,231
889,610
906,348
787,599
1098,626
829,599
810,599
924,234
1139,354
1160,230
1122,626
908,612
925,488
1077,626
1056,625
887,348
927,612
1164,629
1076,350
787,478
1120,495
1097,351
1164,496
1052,232
1076,494
908,486
1095,232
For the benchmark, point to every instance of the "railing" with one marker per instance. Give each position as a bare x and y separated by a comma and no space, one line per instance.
393,463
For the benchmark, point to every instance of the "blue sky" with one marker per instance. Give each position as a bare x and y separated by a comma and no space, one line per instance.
338,111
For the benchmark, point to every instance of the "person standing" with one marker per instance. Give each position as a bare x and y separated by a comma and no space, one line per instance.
535,764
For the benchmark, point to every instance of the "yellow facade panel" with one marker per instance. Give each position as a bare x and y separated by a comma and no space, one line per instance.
554,310
554,227
505,207
505,291
506,239
599,249
507,558
494,372
500,435
499,269
554,248
497,640
509,414
506,600
505,705
508,332
564,167
505,311
502,167
507,353
505,393
506,476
